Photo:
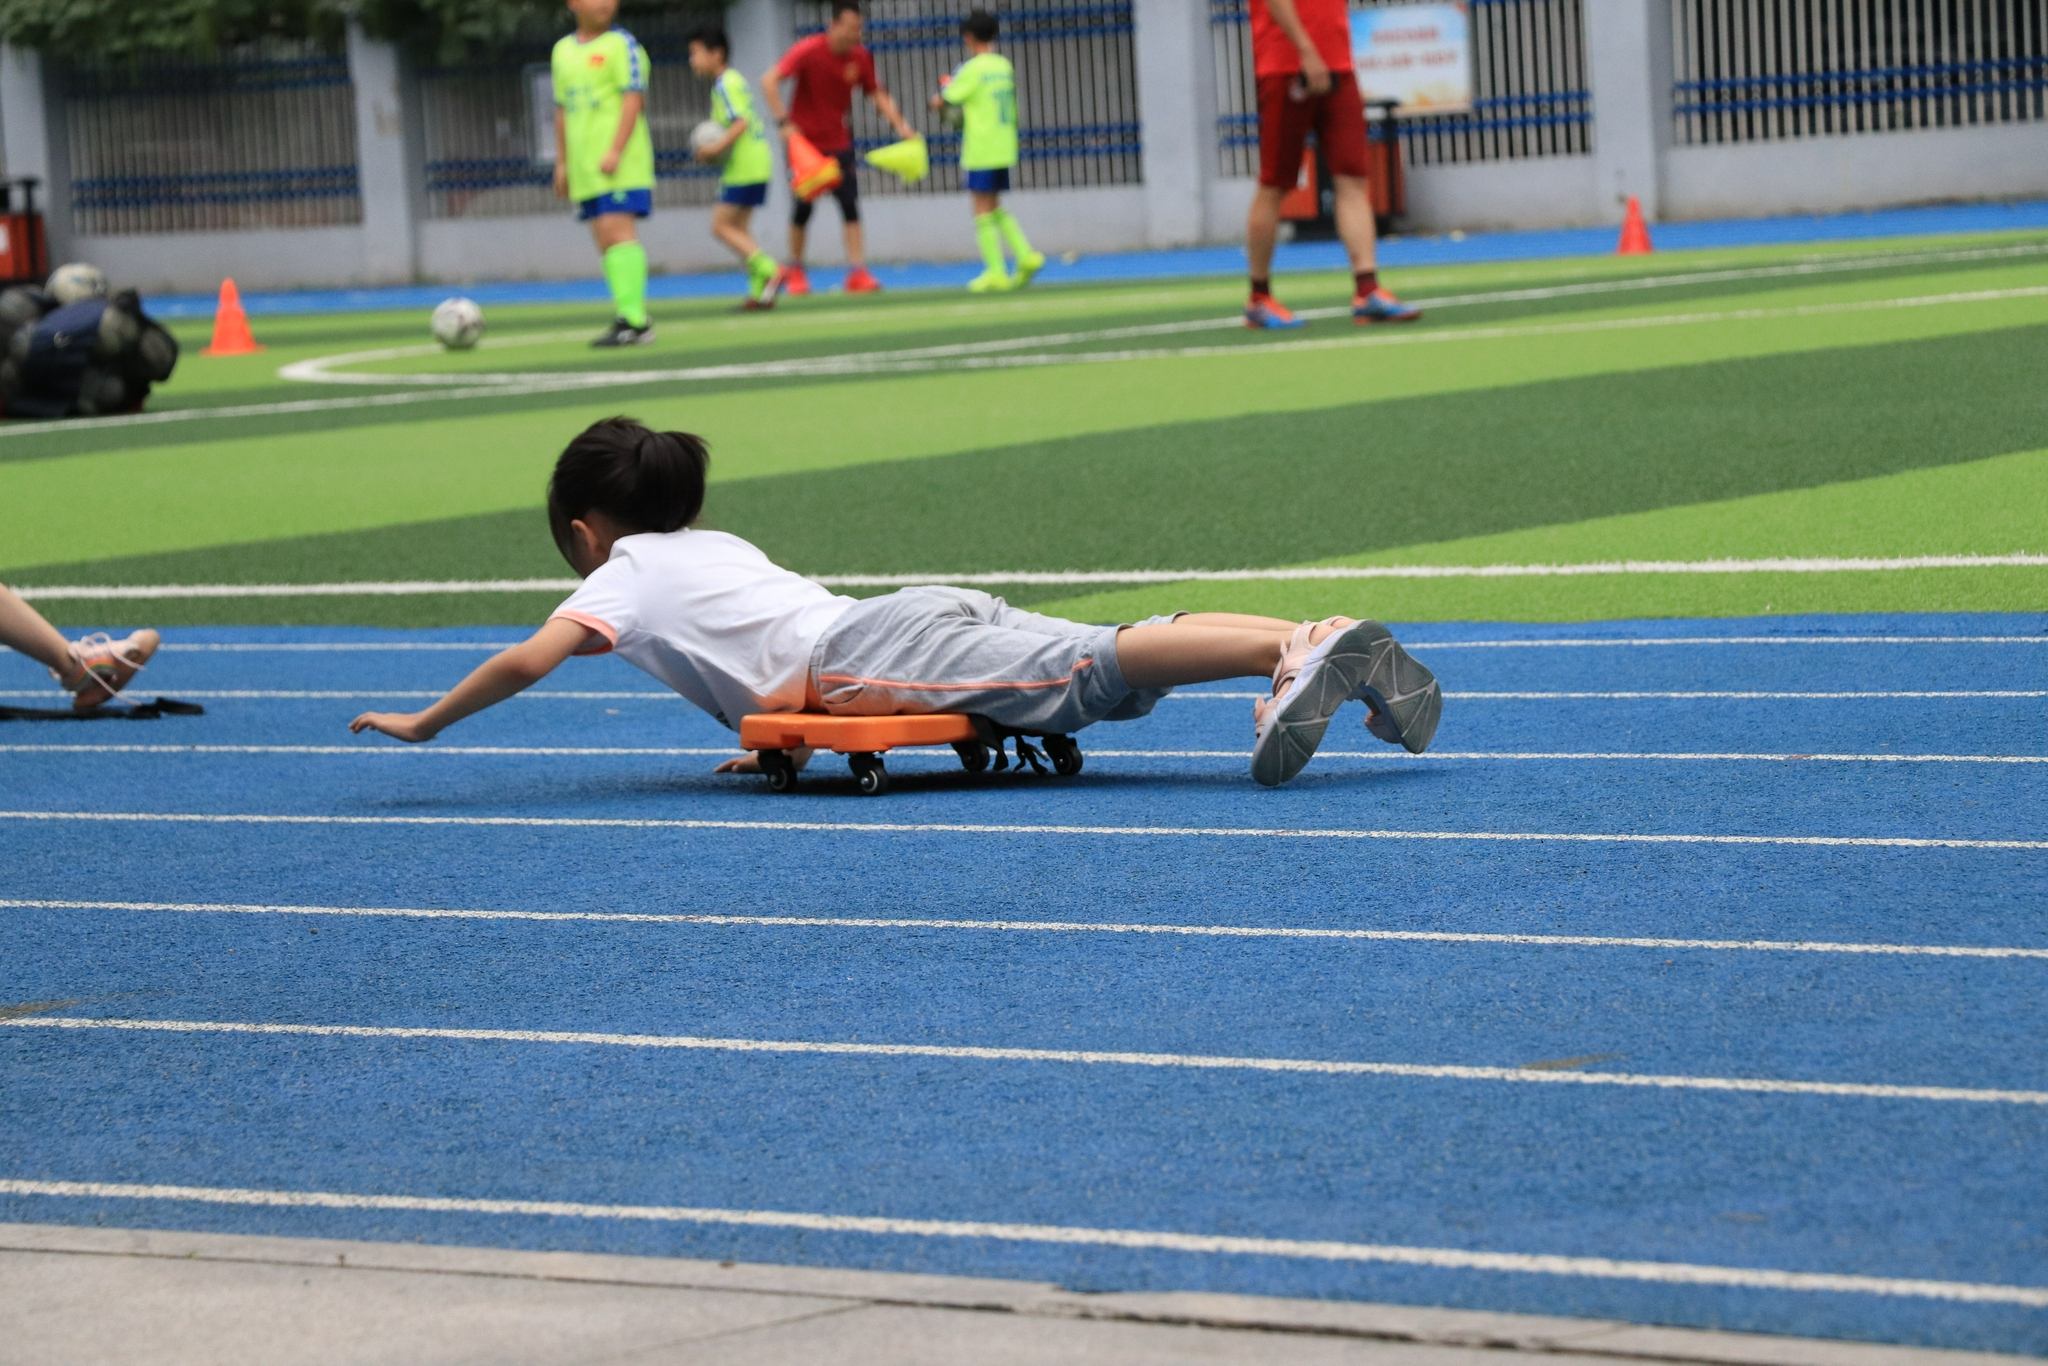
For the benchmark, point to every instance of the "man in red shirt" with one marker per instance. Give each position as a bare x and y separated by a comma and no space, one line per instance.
826,68
1301,54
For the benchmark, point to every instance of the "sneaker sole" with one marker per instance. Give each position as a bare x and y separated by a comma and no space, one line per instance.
1362,661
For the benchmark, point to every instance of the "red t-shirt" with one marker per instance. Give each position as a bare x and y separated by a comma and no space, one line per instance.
824,89
1329,27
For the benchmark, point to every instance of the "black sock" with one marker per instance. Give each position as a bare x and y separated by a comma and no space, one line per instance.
1368,280
1261,284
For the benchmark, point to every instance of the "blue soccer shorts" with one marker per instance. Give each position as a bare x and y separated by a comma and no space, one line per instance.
639,203
745,196
989,182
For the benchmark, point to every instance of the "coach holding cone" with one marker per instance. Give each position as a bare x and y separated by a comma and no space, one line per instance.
1301,54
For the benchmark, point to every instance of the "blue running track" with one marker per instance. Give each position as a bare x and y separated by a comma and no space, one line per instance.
1553,1120
1113,267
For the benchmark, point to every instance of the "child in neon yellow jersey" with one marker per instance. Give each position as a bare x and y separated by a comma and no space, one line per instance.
604,157
984,90
743,185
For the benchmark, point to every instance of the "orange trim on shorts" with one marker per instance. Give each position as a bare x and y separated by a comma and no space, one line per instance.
952,687
603,628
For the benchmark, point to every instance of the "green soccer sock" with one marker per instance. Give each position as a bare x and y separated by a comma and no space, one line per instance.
989,234
760,269
1013,233
625,271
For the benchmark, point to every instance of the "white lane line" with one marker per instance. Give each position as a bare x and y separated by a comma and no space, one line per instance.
1390,755
302,694
949,828
1056,927
404,588
644,695
320,647
1322,1250
333,646
1693,696
1074,1056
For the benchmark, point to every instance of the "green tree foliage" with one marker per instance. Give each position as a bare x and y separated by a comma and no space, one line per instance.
107,32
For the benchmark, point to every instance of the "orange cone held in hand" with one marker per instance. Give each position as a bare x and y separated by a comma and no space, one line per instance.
1635,234
811,172
231,335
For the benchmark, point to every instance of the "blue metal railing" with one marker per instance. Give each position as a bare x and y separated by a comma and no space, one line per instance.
1019,26
1895,84
219,187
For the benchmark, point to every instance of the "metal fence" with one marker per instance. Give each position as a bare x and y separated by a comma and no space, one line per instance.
1077,89
1749,70
263,139
484,126
1530,94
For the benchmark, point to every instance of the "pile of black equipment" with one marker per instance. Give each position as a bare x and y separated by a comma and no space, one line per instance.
84,359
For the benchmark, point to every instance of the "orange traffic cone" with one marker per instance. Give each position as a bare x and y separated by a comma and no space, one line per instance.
231,335
811,172
1635,234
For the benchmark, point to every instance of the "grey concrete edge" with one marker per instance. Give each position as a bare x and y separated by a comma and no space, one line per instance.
1386,1322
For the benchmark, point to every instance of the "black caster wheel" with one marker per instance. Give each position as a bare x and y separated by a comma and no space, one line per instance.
1065,755
780,768
973,755
868,771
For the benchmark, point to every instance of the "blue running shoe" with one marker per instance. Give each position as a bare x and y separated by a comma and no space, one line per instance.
1382,307
1266,311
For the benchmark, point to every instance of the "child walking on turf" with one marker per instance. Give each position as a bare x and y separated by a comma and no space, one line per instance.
710,616
92,670
984,90
743,185
604,157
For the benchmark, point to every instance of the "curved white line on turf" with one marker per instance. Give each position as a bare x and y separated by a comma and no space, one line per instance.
1452,1259
1084,1057
1390,755
1057,927
374,588
944,828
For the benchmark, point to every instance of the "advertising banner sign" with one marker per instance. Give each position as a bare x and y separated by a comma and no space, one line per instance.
1419,56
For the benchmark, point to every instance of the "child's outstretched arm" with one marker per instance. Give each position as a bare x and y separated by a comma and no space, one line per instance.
497,678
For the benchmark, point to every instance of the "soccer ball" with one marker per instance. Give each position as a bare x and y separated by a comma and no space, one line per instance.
79,280
458,322
706,135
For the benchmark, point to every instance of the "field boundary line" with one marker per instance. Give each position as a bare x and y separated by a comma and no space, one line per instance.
1392,755
953,828
1056,927
1203,1062
1453,1259
1060,578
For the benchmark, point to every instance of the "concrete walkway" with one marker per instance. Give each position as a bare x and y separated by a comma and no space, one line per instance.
114,1296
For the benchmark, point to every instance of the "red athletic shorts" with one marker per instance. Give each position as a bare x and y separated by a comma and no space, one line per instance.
1338,120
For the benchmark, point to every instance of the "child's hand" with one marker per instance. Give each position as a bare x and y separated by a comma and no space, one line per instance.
936,102
610,164
397,725
750,762
561,181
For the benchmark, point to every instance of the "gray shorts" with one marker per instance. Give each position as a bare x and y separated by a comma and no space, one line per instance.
922,650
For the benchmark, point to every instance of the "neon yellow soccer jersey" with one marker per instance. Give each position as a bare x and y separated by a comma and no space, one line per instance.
985,88
591,81
732,101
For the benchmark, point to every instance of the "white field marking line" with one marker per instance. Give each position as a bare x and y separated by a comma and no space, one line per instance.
1055,927
1151,1240
404,588
349,646
1082,1057
1388,754
951,828
324,694
289,694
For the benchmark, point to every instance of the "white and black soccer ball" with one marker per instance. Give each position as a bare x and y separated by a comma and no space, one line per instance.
79,280
458,322
706,135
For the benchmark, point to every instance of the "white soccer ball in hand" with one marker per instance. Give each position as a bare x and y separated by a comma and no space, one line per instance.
458,322
705,136
79,280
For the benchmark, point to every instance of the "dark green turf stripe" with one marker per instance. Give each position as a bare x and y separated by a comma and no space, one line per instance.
1270,490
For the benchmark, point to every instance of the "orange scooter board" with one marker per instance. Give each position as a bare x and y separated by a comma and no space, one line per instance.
851,734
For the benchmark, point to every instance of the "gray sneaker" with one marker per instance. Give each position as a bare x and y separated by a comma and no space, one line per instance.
1361,660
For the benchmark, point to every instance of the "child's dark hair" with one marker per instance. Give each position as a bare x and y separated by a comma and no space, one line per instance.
644,480
712,39
840,7
979,25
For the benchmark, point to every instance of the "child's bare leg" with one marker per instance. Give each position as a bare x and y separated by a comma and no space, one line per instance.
729,225
23,628
1168,655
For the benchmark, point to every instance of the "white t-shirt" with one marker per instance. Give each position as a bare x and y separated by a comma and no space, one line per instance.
709,615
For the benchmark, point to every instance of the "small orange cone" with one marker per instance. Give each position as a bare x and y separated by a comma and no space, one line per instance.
1635,234
231,335
811,172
